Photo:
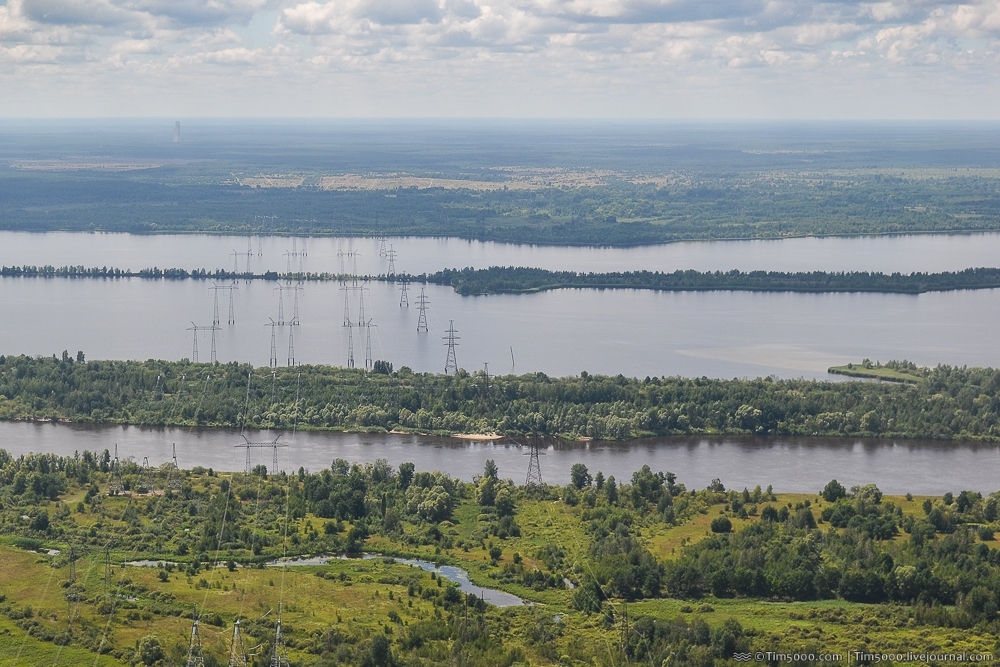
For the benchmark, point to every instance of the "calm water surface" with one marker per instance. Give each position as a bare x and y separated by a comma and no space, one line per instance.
637,333
928,252
561,332
789,464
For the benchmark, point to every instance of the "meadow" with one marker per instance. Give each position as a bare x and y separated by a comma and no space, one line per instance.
107,562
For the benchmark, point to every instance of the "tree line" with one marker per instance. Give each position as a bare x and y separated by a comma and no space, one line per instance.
503,280
499,280
948,402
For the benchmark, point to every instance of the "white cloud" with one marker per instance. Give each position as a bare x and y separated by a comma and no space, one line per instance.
531,49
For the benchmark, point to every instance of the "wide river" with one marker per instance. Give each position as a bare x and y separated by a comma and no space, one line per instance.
562,332
637,333
789,464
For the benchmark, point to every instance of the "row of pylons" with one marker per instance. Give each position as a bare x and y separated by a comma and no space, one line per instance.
116,484
239,655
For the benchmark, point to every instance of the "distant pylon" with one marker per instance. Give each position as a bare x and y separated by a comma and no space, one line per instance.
392,261
295,309
422,301
291,346
381,249
174,477
237,649
368,346
350,345
146,476
279,657
195,657
116,485
194,346
281,305
232,312
273,362
404,297
534,478
236,257
348,325
451,363
361,306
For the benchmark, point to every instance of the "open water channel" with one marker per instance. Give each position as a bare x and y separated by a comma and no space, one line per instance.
562,332
634,332
790,464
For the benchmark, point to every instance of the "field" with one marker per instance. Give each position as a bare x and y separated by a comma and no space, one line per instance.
75,590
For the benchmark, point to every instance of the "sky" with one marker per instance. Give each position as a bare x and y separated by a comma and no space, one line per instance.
690,59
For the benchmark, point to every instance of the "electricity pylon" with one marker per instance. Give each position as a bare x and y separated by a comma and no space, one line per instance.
451,363
422,301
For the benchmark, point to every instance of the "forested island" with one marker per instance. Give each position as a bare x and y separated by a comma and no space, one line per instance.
500,280
108,562
946,402
518,280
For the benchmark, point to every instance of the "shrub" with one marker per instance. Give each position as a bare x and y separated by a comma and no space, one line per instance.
721,524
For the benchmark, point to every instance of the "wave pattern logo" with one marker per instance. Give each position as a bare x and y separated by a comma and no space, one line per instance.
742,657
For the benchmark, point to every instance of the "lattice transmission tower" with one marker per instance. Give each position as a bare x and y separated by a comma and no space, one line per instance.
422,301
451,363
534,479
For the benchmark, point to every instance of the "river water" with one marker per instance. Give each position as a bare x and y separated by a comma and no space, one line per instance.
562,332
637,333
904,253
790,464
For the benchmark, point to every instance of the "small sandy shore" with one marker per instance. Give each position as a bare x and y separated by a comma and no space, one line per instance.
477,436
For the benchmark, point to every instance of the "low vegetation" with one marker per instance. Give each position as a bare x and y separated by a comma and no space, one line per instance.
110,564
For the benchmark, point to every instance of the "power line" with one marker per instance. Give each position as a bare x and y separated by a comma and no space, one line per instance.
533,481
273,362
392,261
404,297
194,346
273,445
422,301
232,312
451,363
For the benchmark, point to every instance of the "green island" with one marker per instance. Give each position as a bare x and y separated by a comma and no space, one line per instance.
892,371
500,280
521,280
947,402
109,563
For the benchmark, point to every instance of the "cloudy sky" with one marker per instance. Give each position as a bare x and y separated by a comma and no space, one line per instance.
498,58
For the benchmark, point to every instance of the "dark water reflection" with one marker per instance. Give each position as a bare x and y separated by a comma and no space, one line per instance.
790,464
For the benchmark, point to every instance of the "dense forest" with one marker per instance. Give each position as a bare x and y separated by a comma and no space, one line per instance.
633,571
945,402
498,280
